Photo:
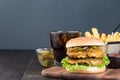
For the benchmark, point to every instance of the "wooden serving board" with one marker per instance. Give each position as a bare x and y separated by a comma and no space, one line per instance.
61,73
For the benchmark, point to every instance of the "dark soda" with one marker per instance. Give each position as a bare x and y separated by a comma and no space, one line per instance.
58,42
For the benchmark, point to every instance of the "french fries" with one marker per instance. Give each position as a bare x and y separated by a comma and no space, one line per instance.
88,34
104,37
95,33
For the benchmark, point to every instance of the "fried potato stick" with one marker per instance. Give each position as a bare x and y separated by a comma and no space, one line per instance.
95,33
88,34
103,37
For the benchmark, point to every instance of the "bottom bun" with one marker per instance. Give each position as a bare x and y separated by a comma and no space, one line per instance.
88,70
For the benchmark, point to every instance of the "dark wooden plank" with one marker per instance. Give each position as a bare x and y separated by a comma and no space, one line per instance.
13,63
59,72
34,71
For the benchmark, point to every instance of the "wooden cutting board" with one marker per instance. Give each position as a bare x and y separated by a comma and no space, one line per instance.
61,73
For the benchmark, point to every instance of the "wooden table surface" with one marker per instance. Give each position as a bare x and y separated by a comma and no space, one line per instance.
24,65
20,65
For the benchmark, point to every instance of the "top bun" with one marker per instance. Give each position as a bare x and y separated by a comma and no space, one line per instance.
84,41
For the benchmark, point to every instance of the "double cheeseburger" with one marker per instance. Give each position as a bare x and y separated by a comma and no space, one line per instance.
84,55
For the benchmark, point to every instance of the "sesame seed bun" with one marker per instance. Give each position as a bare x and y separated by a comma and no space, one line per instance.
84,41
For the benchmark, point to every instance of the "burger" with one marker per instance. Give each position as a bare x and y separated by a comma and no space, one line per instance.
85,55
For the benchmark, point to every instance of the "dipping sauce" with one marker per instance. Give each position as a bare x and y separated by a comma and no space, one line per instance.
113,52
114,61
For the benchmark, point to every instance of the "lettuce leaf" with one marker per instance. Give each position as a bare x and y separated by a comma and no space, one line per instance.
65,64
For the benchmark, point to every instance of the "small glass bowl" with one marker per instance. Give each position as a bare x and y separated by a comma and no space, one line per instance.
113,52
45,56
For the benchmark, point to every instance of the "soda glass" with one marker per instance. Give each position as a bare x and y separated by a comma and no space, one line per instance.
58,41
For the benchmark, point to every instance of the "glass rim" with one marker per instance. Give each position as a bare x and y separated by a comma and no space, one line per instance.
39,49
65,31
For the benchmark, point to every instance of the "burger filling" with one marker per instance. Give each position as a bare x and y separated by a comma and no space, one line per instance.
93,62
85,56
85,52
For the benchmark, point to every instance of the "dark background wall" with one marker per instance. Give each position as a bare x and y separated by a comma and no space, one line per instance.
25,24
